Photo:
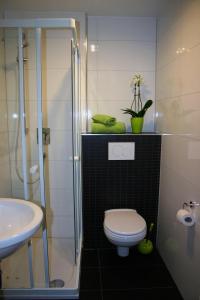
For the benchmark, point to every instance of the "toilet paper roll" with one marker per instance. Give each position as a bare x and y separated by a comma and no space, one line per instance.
185,217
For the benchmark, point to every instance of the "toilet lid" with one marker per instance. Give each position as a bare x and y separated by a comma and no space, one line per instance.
124,221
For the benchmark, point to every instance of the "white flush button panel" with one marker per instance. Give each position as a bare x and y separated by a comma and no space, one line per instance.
121,151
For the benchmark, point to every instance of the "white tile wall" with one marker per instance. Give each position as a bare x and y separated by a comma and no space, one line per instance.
178,114
58,117
124,46
121,28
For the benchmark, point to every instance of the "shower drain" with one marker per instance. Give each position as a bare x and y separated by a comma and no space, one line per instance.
57,283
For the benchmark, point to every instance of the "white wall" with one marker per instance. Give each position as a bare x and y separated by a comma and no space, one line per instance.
178,114
123,46
112,7
5,180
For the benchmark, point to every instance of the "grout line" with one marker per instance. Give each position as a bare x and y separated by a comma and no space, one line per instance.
141,289
121,40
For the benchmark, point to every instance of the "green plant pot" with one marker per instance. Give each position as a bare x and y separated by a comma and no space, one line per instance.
137,125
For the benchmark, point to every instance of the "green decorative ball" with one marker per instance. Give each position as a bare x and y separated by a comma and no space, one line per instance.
145,246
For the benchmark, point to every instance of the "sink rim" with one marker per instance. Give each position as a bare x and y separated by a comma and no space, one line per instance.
23,233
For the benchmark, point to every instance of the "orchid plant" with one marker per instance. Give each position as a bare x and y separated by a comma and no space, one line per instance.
137,110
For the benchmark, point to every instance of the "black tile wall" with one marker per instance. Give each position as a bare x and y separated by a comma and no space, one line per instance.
118,184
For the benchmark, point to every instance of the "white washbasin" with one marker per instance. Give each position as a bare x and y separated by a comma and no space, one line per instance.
19,220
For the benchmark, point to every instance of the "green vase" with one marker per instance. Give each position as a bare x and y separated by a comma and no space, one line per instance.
137,125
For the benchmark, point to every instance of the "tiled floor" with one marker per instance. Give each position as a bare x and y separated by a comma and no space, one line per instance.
105,276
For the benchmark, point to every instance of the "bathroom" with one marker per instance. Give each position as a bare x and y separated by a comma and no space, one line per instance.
64,74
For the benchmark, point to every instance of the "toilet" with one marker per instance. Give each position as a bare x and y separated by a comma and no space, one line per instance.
124,228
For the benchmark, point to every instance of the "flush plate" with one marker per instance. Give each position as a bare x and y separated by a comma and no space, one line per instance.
121,151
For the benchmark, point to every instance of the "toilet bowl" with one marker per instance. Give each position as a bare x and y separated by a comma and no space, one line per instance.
124,228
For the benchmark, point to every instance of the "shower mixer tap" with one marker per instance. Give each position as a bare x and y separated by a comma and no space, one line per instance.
45,136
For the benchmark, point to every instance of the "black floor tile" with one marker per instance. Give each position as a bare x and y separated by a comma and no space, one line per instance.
90,295
155,294
89,258
131,278
109,258
90,279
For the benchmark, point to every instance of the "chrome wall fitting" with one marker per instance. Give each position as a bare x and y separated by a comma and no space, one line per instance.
191,204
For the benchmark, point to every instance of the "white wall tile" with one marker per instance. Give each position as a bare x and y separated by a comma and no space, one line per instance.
17,184
4,154
60,147
61,202
126,55
18,193
11,83
5,180
10,52
60,227
190,71
92,55
57,85
182,163
58,115
178,114
126,28
61,174
57,57
123,46
92,26
3,116
30,84
190,24
13,115
31,145
92,85
57,34
119,85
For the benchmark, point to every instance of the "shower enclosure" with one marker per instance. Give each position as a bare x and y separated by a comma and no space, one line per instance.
40,152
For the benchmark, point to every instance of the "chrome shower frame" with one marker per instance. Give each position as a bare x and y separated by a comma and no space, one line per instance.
38,25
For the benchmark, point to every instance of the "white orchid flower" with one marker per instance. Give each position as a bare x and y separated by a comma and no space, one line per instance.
137,80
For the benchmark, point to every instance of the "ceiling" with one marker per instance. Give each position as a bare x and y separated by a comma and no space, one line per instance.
140,8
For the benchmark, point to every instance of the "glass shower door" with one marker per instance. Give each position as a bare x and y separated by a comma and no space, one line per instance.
42,152
20,269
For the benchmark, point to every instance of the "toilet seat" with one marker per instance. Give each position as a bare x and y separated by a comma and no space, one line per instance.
124,237
124,222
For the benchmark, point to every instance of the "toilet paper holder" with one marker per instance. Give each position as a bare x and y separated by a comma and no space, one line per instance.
192,204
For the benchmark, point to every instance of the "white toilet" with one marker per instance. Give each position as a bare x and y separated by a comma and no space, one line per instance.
124,228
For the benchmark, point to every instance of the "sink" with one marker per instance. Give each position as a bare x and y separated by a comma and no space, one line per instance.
19,220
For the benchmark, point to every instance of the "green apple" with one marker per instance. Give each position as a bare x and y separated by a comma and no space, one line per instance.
145,246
